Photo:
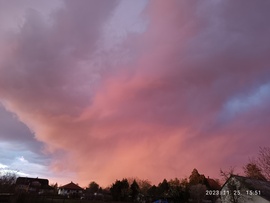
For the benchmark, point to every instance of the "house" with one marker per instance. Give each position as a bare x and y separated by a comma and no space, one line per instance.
32,185
245,190
70,190
212,184
212,189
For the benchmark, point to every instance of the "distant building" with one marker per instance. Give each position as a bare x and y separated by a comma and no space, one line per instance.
70,190
245,190
212,184
32,185
213,187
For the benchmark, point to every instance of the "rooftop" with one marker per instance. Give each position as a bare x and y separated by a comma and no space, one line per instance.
254,184
71,186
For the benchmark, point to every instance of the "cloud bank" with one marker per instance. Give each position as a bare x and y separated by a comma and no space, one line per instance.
189,87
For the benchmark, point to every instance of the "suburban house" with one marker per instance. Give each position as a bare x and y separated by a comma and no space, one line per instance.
212,184
245,190
32,185
70,189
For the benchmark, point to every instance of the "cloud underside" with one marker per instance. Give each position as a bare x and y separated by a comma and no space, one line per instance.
191,90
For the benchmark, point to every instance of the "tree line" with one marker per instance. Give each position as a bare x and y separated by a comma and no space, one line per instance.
183,190
137,190
177,190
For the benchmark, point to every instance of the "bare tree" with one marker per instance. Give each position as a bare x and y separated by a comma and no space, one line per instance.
7,182
234,189
263,161
231,185
227,174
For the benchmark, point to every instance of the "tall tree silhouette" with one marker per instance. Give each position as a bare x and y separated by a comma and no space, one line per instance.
120,190
263,161
134,190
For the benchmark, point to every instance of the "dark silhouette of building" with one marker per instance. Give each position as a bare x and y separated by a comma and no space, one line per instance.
32,185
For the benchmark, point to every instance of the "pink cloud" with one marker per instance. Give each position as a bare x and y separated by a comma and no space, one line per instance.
157,115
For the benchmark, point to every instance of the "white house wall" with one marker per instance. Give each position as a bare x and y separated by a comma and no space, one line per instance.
244,197
67,192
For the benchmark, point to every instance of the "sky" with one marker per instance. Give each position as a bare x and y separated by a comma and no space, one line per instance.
102,90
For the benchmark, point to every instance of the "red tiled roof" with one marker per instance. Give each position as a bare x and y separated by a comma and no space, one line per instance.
71,186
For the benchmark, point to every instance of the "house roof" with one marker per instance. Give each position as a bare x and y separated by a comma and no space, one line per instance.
254,184
213,185
71,186
32,181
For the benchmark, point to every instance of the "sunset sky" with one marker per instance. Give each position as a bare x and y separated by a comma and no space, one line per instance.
96,90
